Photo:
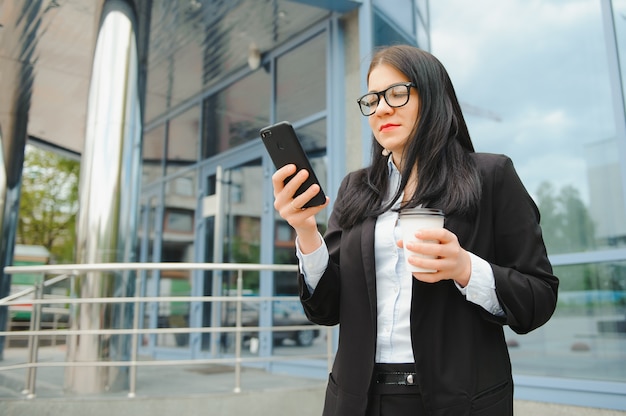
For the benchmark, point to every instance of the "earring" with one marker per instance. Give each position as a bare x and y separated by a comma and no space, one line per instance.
386,152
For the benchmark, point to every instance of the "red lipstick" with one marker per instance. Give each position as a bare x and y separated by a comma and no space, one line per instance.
387,126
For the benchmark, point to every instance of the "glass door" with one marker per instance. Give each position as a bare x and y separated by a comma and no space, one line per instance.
231,232
149,231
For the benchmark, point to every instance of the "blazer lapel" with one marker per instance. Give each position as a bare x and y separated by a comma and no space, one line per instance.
369,262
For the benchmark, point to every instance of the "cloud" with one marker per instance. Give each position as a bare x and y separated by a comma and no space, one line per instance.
541,67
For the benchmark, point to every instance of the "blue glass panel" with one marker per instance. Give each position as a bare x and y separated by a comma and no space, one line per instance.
300,91
585,339
400,12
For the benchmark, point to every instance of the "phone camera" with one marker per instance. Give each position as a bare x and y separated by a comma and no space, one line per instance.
266,134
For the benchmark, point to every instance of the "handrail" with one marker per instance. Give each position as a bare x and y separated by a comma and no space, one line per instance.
74,268
149,299
69,270
24,292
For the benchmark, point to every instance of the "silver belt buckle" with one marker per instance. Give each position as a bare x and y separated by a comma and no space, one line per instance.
410,379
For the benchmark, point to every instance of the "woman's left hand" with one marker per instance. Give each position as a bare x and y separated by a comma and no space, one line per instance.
450,260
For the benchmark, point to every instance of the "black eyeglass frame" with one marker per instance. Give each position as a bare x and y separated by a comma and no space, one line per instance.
383,93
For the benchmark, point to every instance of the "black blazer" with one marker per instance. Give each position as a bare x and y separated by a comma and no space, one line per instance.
461,358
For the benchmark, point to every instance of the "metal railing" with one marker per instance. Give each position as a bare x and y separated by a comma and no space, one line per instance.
63,272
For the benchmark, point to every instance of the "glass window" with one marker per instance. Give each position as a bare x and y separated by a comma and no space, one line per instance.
584,339
178,221
182,140
534,84
300,89
298,97
547,107
177,245
387,32
313,136
423,24
284,234
236,114
150,236
423,37
153,147
400,12
175,67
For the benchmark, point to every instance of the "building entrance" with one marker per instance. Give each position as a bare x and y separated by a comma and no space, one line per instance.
231,232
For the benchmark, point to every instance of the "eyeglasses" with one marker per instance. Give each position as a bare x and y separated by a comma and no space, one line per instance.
396,96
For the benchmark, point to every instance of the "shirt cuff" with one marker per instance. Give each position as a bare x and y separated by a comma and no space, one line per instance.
481,288
313,265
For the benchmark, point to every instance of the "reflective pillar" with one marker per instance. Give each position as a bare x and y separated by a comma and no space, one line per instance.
18,45
109,189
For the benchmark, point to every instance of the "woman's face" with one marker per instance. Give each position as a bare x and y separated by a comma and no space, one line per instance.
392,125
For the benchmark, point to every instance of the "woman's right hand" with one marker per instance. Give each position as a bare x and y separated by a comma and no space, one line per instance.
289,207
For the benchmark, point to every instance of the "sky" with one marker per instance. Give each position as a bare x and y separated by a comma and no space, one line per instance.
541,67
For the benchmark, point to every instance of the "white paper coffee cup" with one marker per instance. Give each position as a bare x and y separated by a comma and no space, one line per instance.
413,220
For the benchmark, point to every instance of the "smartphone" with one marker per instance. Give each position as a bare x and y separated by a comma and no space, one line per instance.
284,148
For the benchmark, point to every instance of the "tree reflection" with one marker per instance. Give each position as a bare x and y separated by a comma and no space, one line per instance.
565,220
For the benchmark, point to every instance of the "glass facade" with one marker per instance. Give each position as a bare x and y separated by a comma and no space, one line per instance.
393,23
234,115
182,141
202,147
534,83
301,92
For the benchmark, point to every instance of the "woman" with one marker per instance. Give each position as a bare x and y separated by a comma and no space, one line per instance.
421,343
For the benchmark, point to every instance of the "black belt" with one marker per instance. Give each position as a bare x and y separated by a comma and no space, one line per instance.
396,378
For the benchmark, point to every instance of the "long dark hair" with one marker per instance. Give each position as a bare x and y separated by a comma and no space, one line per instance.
439,144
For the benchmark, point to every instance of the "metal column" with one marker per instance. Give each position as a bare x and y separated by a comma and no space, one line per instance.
109,189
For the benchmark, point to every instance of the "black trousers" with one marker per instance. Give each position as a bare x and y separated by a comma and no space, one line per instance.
394,399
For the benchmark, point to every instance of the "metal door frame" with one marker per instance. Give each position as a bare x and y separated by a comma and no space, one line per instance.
147,256
232,158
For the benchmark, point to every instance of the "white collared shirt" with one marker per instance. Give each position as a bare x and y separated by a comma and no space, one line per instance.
394,283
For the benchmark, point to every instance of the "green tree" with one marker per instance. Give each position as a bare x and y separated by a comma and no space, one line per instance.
49,203
551,217
565,220
579,227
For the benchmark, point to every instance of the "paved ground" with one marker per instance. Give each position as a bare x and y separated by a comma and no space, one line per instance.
191,390
159,381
